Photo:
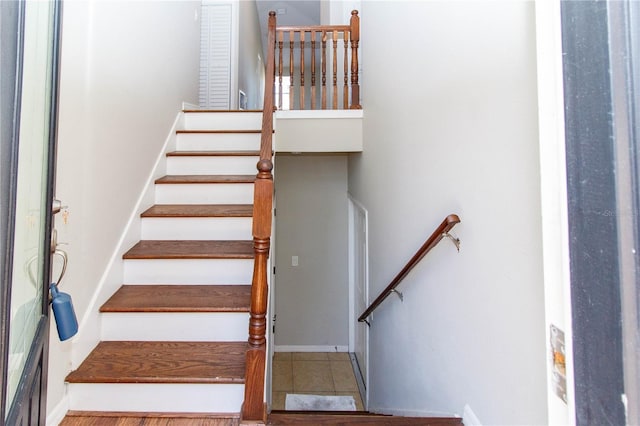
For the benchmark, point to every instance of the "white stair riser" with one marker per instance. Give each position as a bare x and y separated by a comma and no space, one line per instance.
197,228
163,397
223,121
218,142
232,165
188,271
215,193
176,326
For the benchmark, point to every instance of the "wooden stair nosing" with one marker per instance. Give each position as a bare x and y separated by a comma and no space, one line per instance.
125,418
219,111
179,298
203,179
360,418
163,362
199,210
191,249
220,132
246,153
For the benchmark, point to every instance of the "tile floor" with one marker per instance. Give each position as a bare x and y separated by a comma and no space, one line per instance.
316,373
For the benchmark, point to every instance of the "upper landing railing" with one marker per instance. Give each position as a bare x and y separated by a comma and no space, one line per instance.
316,67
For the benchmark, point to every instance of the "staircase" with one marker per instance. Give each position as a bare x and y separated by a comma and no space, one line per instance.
174,335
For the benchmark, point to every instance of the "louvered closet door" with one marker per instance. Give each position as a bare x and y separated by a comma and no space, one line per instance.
215,56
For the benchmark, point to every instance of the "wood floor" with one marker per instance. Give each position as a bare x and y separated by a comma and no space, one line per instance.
80,418
77,418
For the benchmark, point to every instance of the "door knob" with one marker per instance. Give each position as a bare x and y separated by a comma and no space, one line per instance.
56,206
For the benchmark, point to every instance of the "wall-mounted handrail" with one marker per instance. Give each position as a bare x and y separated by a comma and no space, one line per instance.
253,408
437,235
307,42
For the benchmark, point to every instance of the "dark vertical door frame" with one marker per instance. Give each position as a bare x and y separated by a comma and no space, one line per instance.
12,30
593,214
29,404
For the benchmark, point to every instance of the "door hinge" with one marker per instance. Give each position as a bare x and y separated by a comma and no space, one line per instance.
274,270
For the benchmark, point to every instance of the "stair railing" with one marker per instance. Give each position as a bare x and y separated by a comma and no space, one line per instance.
253,408
441,232
312,41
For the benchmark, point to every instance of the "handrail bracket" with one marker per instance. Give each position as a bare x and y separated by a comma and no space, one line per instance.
399,294
454,240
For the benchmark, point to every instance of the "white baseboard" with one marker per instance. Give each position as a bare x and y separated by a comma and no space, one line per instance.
310,348
55,416
188,105
469,418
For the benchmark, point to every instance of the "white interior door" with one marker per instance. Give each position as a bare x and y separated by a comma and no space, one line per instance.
216,55
359,271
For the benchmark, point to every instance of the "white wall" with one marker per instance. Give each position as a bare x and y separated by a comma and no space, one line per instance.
311,299
126,68
319,131
450,126
250,61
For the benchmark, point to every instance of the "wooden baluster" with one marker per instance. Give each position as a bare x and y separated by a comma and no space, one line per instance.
334,36
324,69
302,69
292,35
273,92
313,70
345,91
355,40
280,48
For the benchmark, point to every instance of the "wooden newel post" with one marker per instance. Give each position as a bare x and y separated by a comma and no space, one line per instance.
355,40
253,408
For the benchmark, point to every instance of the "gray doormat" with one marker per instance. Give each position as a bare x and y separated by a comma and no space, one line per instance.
297,402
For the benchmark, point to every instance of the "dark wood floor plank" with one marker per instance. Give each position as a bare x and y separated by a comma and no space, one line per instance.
279,418
199,210
222,111
202,179
191,249
163,362
213,154
360,419
85,418
180,298
206,131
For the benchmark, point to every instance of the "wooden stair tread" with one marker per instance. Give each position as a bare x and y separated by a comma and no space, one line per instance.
180,298
199,210
191,249
210,131
213,154
218,111
182,179
110,418
355,418
163,362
